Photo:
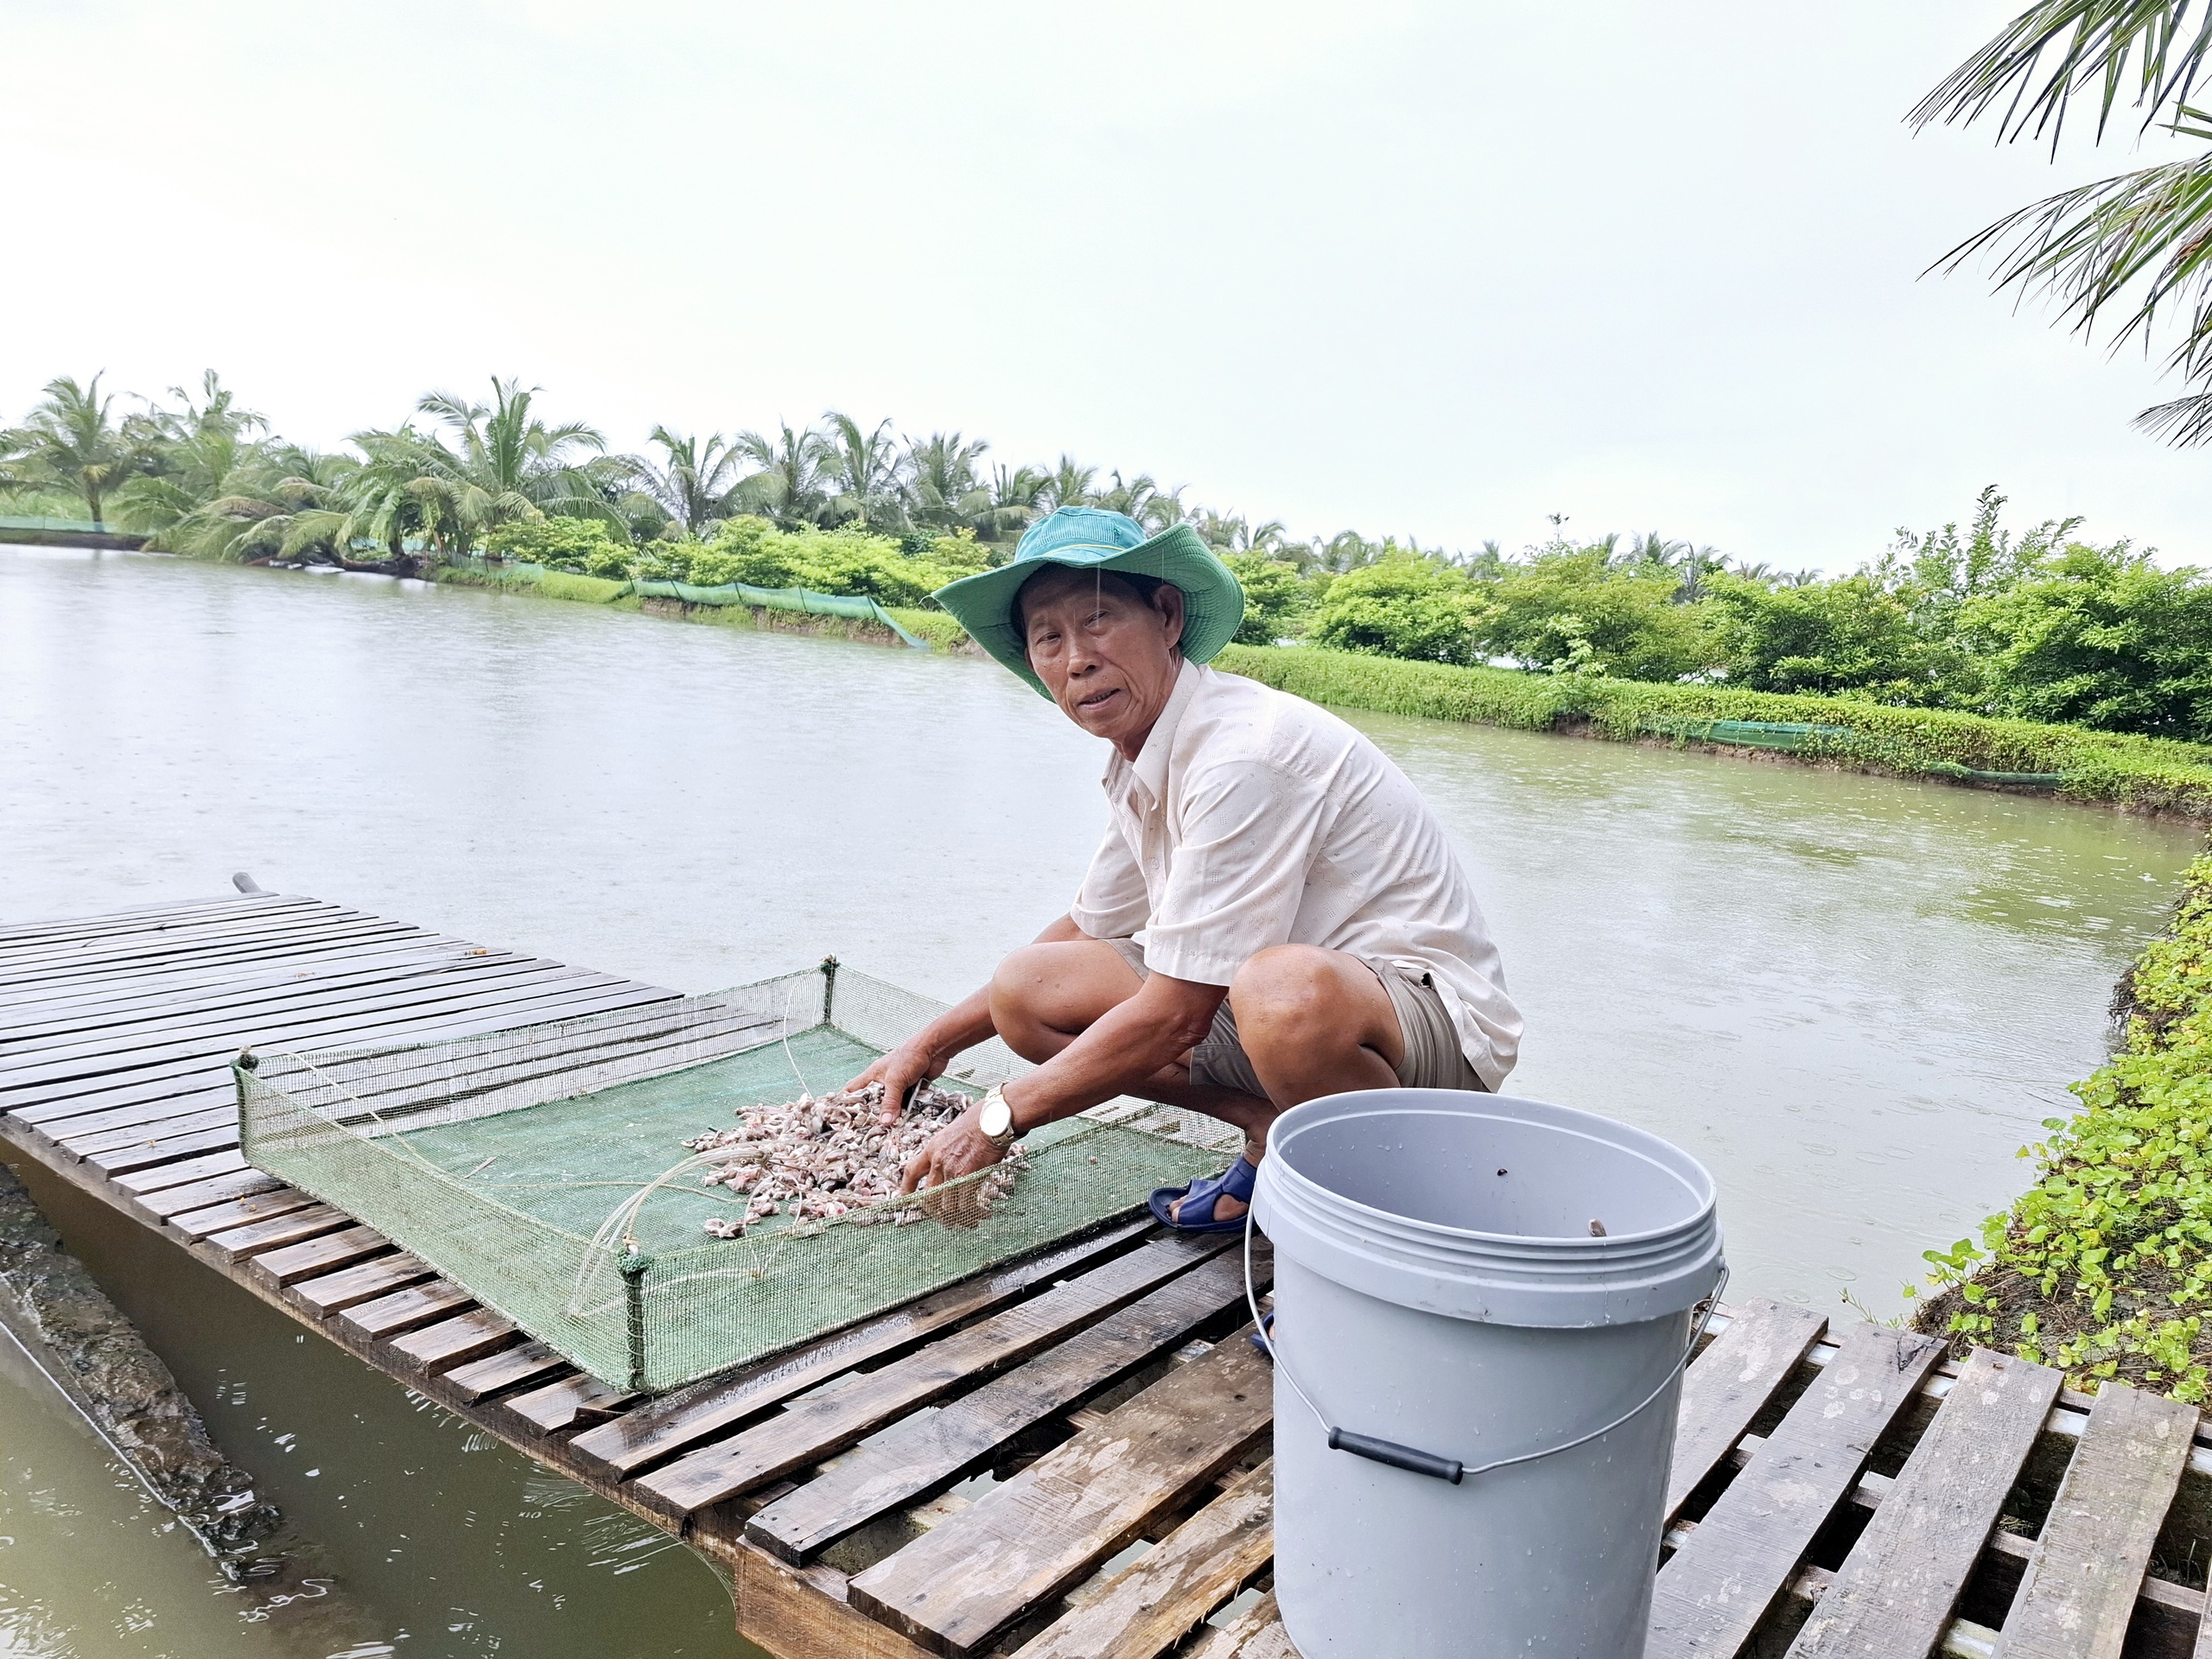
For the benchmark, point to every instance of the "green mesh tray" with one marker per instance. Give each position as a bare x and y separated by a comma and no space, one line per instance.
507,1162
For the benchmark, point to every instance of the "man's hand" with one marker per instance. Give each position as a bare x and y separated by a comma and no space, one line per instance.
899,1071
959,1148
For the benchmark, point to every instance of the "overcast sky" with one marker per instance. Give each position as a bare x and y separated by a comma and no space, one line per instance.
1435,270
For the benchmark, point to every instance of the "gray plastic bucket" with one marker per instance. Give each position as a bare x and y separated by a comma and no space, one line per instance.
1444,1305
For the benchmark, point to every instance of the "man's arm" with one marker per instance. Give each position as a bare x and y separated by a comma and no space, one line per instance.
1120,1051
925,1054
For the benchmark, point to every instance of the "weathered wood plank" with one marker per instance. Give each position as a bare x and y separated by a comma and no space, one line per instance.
957,1585
808,1429
257,1237
533,1362
925,1451
80,1140
2080,1589
440,1347
185,1172
317,1256
1727,1384
800,1613
643,1437
1256,1634
164,1151
332,1292
1155,1603
236,1212
1898,1590
566,1404
403,1310
141,917
1711,1595
242,1181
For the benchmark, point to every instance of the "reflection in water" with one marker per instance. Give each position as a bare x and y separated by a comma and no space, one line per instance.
1853,998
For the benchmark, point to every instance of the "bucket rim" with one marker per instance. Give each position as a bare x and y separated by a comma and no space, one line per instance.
1702,1188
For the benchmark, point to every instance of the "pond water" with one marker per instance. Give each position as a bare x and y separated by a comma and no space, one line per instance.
1853,998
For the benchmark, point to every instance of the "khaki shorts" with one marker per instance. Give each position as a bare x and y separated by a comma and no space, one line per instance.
1433,1057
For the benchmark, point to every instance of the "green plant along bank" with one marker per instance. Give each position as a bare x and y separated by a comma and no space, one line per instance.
2104,1265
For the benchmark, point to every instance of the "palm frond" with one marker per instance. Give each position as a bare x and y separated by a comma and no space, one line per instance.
2059,50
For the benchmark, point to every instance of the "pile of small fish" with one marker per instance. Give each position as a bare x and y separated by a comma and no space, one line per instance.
833,1159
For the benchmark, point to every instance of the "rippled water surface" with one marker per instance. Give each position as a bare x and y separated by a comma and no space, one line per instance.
1853,998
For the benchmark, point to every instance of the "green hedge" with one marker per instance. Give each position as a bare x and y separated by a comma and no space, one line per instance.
2142,773
2104,1266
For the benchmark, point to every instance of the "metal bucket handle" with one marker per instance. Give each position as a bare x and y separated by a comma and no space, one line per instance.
1376,1450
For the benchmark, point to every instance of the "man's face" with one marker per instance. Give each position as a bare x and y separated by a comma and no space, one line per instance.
1107,655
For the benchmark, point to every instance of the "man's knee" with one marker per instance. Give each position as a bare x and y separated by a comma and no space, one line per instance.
1043,995
1285,992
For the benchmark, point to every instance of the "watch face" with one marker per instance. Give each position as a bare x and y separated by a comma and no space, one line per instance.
997,1117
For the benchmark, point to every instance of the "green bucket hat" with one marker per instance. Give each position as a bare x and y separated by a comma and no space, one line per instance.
1085,538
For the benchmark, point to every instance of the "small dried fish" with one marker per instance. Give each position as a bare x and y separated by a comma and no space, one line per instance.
831,1159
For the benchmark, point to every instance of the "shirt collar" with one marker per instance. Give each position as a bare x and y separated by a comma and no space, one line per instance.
1148,772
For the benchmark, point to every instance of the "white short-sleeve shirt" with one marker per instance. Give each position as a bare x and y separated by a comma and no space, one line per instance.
1252,818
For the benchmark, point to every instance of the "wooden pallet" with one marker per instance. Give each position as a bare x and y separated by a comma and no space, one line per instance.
1067,1458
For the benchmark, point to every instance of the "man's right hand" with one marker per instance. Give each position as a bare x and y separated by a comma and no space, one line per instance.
899,1071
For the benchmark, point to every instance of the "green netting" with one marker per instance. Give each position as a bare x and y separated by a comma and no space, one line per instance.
1789,734
539,1169
852,608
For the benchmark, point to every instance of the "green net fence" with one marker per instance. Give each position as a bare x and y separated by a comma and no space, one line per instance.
854,608
543,1169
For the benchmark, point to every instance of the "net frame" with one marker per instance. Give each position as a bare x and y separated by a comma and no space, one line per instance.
337,1124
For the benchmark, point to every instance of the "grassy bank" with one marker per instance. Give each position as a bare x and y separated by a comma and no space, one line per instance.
2104,1265
2144,774
2140,773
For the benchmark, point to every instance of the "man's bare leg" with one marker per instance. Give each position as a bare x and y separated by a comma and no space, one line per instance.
1044,996
1313,1021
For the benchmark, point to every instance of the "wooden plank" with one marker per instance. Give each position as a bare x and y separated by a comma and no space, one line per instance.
1256,1634
533,1362
800,1613
440,1347
1154,1604
1728,1384
257,1237
809,1429
236,1212
387,1316
1711,1595
189,1171
928,1450
79,1138
242,1182
1029,1540
2081,1585
264,1017
127,962
459,1016
62,947
566,1404
144,916
1898,1589
164,1153
643,1437
332,1292
317,1256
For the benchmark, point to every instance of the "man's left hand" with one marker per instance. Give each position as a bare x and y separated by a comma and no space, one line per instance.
959,1148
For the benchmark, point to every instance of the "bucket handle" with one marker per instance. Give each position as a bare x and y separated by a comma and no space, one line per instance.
1412,1458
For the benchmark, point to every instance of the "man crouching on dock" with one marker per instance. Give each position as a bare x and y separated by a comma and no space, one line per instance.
1274,915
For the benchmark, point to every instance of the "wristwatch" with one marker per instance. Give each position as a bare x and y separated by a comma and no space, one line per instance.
995,1118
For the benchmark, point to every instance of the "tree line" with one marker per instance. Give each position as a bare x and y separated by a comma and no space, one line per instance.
2035,623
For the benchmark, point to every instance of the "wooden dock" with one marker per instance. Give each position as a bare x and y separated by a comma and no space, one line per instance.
1067,1458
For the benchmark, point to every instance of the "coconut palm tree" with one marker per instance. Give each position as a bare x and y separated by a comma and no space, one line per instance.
281,500
2139,243
1067,485
1143,500
505,464
72,440
943,491
790,485
698,483
192,455
863,471
1017,497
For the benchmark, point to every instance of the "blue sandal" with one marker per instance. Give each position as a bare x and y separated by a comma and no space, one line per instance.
1235,1182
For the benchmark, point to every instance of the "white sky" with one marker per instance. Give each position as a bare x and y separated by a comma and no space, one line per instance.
1429,269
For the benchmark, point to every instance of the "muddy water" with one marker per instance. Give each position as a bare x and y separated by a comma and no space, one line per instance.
1852,997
